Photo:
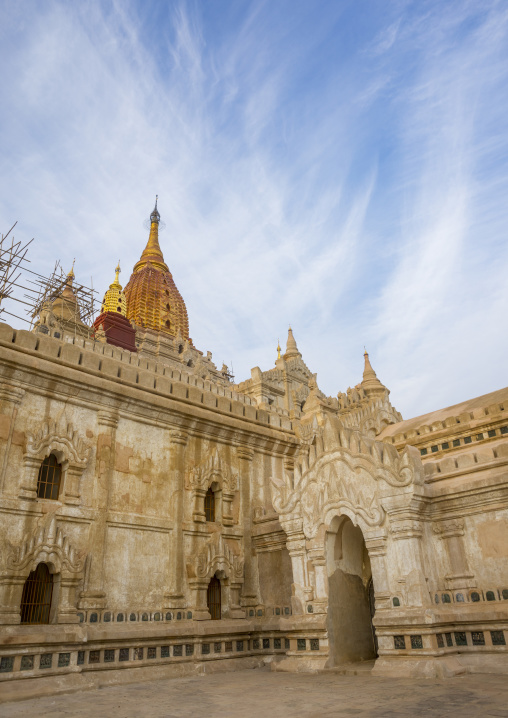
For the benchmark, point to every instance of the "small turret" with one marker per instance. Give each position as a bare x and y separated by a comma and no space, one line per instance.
61,314
291,348
370,383
114,299
112,324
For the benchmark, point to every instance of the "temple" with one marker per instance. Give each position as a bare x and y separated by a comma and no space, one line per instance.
158,518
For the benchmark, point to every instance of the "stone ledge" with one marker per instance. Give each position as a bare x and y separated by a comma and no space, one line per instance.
110,363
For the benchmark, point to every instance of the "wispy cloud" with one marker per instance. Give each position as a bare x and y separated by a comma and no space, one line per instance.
343,176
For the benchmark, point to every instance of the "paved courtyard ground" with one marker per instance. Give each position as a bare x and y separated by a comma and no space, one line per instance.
262,694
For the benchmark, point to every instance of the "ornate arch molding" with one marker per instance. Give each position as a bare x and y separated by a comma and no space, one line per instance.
348,478
216,556
69,448
339,472
214,470
47,544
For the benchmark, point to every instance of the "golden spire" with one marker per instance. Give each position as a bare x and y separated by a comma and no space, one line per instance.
114,299
152,252
278,349
153,301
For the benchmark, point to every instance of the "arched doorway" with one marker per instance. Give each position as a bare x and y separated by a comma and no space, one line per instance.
213,598
351,594
36,597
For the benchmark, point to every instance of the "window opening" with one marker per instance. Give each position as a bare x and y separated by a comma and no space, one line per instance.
36,597
48,482
213,598
210,505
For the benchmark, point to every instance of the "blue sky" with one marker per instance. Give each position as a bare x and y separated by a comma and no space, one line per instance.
340,166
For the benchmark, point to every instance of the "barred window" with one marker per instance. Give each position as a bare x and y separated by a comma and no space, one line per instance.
36,597
210,505
48,482
213,598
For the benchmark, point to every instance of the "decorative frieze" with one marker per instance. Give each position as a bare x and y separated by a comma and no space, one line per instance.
406,529
449,528
107,418
179,437
11,393
245,453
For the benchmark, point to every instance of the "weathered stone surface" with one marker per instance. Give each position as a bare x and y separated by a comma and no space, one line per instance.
333,530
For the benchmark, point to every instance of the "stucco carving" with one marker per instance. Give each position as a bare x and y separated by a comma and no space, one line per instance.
71,451
47,544
449,528
219,555
213,469
50,438
342,471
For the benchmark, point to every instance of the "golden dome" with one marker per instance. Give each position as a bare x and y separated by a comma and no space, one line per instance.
114,299
153,301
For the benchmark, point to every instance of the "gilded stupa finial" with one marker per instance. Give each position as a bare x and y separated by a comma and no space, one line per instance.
117,272
278,349
155,216
152,253
153,301
114,299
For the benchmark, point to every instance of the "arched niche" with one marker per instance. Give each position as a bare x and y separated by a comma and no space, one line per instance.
350,593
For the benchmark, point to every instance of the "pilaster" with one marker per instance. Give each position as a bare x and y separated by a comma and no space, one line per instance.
376,544
175,598
11,397
250,591
302,592
94,594
407,532
318,558
451,532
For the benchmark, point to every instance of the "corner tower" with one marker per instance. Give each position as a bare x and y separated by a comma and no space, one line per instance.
153,300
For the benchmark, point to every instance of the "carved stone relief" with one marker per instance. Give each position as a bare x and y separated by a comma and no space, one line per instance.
47,544
214,470
71,451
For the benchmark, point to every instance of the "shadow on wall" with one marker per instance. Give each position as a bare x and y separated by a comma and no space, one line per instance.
350,628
